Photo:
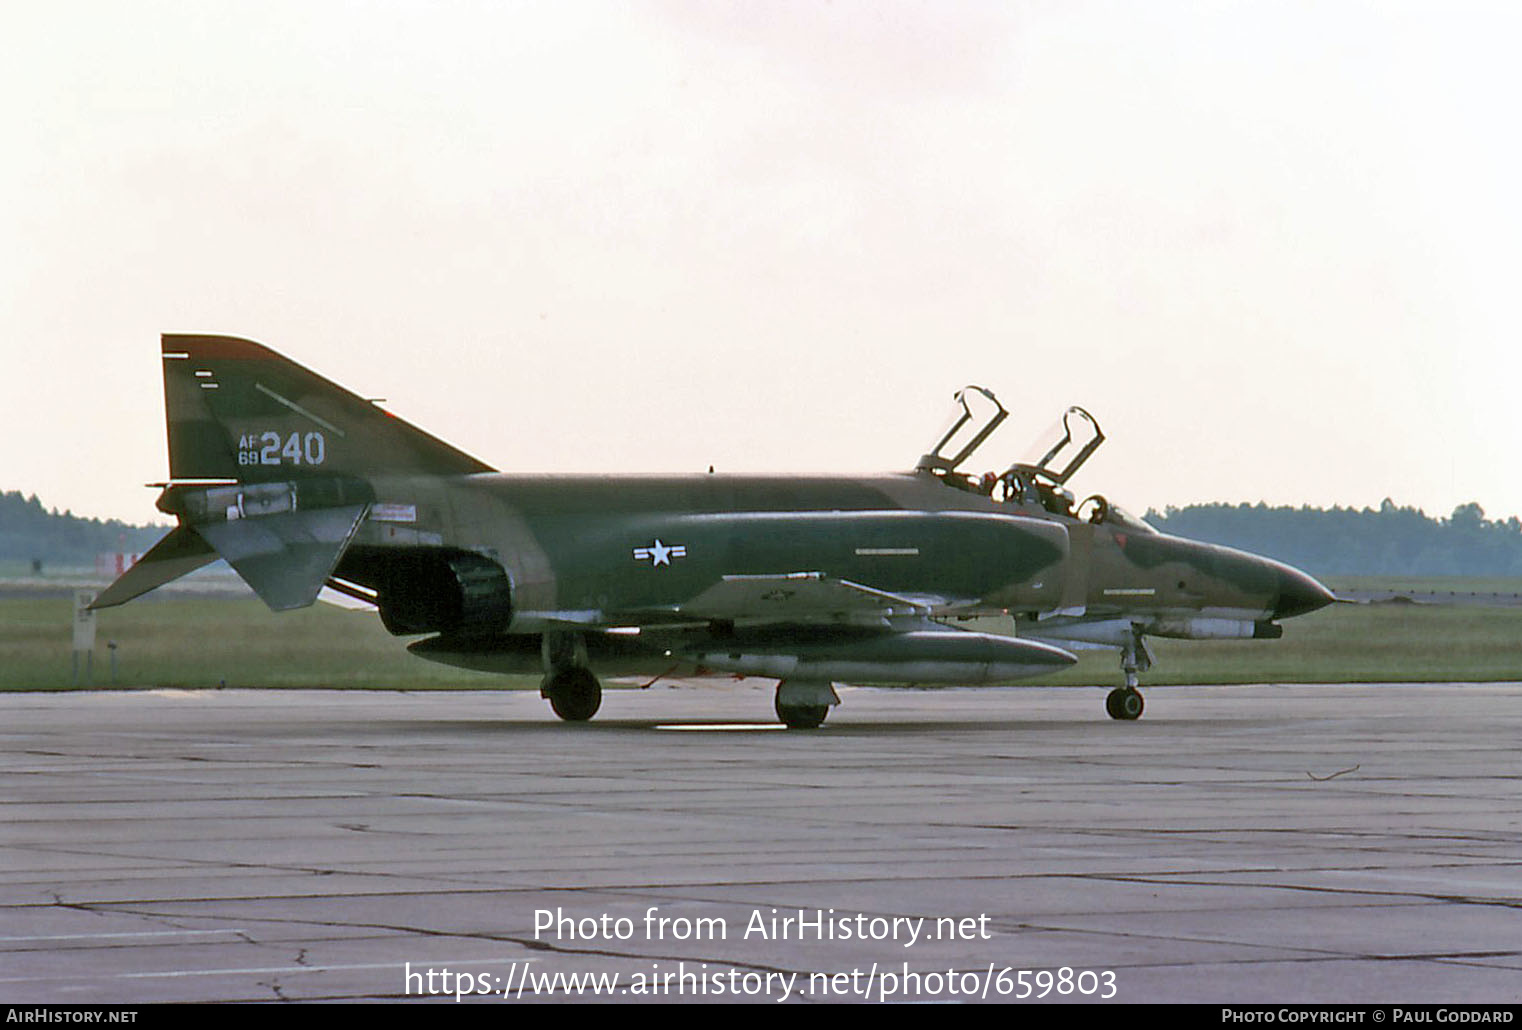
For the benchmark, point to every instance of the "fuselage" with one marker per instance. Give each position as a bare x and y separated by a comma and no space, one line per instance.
587,549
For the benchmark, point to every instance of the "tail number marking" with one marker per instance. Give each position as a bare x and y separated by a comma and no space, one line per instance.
268,449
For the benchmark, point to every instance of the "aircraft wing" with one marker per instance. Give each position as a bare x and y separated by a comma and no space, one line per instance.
794,597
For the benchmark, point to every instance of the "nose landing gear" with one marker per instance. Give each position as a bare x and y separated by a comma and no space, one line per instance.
1126,702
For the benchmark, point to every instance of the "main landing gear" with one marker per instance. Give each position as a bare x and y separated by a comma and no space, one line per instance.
1126,702
804,704
573,693
569,686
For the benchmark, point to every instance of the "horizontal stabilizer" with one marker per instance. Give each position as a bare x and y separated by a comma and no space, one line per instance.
179,553
286,557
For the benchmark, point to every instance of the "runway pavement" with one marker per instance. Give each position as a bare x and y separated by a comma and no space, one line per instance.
1250,844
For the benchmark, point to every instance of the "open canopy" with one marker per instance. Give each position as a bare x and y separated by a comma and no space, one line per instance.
1055,455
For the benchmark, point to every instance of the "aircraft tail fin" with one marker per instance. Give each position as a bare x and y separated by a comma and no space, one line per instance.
238,411
270,469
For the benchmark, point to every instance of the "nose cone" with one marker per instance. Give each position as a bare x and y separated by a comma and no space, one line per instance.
1299,593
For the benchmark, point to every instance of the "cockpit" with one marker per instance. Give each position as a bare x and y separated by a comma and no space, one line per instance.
1040,483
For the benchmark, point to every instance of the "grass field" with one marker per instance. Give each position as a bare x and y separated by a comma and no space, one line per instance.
1341,644
212,642
239,643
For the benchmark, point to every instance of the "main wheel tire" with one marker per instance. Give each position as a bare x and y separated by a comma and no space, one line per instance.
802,717
574,694
1124,703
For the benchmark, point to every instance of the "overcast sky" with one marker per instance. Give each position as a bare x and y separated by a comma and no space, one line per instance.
1274,248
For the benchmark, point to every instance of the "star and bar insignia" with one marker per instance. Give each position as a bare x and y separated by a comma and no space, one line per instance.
659,553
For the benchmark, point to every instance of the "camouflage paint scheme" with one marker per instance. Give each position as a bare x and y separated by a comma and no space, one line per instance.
299,483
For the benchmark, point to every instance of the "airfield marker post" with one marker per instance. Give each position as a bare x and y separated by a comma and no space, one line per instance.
84,633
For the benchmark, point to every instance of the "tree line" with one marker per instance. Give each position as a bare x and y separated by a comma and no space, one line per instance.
31,533
1387,541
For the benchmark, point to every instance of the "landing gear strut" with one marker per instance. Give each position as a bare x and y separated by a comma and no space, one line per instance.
1126,702
803,704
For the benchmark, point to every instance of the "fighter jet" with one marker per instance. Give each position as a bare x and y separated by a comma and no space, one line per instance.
808,580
